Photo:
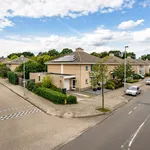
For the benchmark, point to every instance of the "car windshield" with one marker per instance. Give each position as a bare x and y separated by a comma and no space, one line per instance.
148,79
132,88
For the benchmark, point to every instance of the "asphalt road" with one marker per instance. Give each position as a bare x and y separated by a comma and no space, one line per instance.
127,129
25,127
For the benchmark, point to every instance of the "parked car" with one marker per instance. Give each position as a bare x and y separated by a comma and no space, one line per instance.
133,90
148,81
139,76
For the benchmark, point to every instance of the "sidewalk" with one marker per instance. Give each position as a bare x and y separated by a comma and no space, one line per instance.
85,108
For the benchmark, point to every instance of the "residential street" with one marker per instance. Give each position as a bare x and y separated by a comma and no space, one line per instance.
127,129
25,127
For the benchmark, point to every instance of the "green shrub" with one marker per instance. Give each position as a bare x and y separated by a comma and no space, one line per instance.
71,99
110,85
117,83
3,70
131,81
147,74
31,86
12,78
53,96
46,82
136,76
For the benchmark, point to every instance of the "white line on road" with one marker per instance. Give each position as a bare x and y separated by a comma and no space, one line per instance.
130,112
132,138
135,107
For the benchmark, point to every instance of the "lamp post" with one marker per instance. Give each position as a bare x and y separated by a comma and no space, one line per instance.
125,64
24,79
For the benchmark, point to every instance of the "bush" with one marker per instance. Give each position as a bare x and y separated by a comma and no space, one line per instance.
12,77
46,82
117,83
71,99
131,81
136,76
147,74
110,85
3,70
31,86
53,96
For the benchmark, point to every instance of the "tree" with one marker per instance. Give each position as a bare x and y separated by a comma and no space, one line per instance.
119,71
3,70
99,72
53,52
30,66
25,54
131,54
145,57
116,53
66,51
13,57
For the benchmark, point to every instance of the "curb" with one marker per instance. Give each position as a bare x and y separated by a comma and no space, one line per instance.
74,116
24,98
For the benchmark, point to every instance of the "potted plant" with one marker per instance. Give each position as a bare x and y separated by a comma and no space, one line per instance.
99,86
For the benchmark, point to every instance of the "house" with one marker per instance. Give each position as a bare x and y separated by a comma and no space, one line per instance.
13,64
72,71
112,61
3,60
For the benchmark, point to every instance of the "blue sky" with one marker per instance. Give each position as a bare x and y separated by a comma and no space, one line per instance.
40,25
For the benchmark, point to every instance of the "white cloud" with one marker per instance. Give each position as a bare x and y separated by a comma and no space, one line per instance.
145,3
49,8
129,24
142,36
99,40
5,23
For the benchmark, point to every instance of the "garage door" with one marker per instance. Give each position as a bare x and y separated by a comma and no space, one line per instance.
67,84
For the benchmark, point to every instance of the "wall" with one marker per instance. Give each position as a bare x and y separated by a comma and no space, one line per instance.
12,67
56,79
54,68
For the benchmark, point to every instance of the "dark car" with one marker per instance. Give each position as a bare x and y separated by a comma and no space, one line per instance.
139,76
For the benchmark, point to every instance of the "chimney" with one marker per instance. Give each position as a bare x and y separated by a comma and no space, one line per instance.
111,54
79,49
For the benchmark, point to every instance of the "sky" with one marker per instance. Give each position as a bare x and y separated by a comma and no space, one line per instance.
94,25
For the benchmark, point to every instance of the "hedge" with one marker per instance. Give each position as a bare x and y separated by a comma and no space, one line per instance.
110,85
53,96
12,78
147,74
71,99
117,83
131,81
31,86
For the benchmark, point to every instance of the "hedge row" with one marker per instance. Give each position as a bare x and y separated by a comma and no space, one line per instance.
12,78
113,84
49,94
147,74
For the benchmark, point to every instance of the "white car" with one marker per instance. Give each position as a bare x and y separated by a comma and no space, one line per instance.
133,90
148,81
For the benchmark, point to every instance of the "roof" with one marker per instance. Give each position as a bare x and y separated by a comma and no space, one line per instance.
17,61
3,60
111,59
77,57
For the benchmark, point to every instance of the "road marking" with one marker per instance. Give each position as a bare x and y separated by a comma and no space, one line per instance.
14,108
133,136
130,112
18,114
135,108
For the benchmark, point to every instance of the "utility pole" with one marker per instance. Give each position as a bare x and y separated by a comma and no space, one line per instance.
125,65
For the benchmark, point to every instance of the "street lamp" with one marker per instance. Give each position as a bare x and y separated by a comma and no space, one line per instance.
125,64
24,79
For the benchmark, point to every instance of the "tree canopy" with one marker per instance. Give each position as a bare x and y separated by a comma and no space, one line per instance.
25,54
119,71
145,57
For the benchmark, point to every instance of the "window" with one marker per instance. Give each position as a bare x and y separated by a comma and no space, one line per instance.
39,78
86,68
86,81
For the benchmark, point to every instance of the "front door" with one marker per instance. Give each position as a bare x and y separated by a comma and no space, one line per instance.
73,83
